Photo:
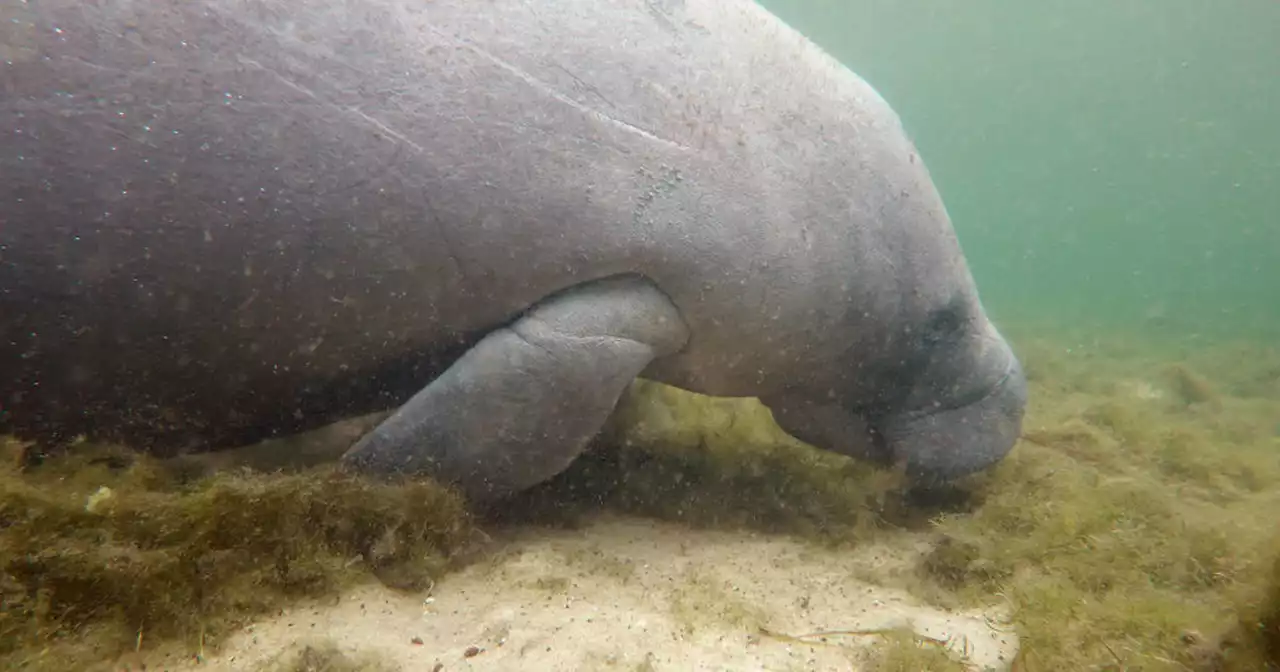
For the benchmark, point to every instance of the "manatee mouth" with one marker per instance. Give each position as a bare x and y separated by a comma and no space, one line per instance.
952,430
945,443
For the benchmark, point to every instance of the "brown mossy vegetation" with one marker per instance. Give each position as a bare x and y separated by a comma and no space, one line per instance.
1191,387
719,463
102,552
1132,528
1254,641
1126,531
903,651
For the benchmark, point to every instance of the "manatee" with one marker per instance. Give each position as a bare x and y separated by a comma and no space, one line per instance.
228,220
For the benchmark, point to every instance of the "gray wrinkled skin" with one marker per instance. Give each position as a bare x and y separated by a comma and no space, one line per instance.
222,220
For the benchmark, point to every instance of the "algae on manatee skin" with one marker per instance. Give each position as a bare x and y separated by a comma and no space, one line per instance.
86,576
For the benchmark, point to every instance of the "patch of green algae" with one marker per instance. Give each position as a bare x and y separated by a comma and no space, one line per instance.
102,552
1133,527
723,464
904,652
1130,529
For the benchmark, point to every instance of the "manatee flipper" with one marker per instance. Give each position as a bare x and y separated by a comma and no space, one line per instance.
521,404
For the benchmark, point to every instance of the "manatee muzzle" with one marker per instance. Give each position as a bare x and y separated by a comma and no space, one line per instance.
946,443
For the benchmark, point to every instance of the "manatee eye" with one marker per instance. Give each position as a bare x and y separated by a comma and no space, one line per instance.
943,324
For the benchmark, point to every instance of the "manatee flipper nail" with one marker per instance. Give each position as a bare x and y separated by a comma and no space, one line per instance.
521,404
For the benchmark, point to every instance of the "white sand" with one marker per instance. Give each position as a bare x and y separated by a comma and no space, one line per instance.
632,594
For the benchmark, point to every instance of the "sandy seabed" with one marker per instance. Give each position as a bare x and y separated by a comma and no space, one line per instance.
627,593
1130,529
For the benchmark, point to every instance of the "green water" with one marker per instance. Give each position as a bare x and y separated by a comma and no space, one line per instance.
1107,164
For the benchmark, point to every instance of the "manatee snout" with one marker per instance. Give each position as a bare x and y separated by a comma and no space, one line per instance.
962,415
947,443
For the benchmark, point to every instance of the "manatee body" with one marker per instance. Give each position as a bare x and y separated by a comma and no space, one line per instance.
223,220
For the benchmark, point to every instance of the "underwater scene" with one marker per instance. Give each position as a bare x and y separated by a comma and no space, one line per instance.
378,335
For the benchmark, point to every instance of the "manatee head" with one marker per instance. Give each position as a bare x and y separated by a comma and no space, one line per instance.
946,399
963,407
